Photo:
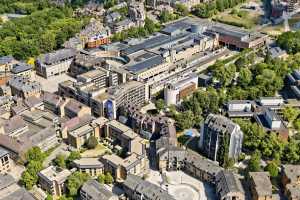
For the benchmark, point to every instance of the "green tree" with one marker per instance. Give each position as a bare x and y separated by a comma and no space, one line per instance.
220,5
92,142
245,77
74,155
160,104
75,181
272,168
108,178
28,180
254,162
60,161
35,154
101,178
49,197
185,120
290,113
182,9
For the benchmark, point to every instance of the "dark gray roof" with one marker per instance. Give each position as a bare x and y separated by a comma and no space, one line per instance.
20,67
57,56
220,123
147,64
3,152
96,190
6,59
148,43
149,190
227,183
24,84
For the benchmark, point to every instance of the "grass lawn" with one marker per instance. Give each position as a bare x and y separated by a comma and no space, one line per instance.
273,30
237,17
98,151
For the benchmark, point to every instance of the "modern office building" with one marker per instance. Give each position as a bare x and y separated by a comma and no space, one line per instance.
219,132
55,63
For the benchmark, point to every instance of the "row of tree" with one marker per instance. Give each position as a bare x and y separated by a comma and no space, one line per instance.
290,41
206,10
137,32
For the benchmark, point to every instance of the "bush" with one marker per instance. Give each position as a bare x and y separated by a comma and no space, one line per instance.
92,142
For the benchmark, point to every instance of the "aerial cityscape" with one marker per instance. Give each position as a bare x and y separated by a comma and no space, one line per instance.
150,99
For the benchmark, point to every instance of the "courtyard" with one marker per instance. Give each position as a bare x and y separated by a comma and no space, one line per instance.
182,186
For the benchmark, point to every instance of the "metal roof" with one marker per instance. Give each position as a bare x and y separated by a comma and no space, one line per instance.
147,64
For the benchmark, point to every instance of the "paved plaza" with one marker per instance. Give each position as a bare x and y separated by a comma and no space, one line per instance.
182,186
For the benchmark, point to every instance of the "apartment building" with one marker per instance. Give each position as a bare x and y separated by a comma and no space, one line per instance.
53,103
53,180
23,87
5,161
214,131
93,190
55,63
91,166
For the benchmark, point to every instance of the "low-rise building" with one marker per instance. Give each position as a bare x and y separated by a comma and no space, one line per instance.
175,92
261,186
78,134
240,108
91,166
120,168
291,181
6,63
53,180
200,167
22,69
5,161
93,190
136,188
55,63
23,87
228,186
74,108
